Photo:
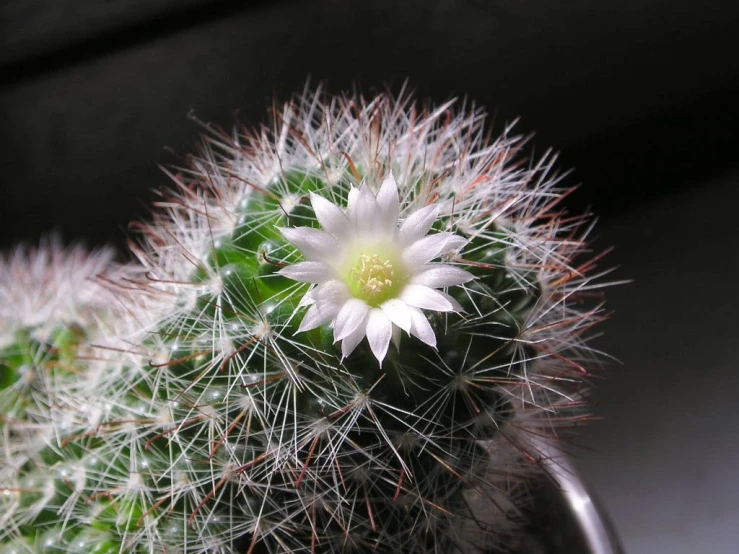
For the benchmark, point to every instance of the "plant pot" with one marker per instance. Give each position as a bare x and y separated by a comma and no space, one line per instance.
566,516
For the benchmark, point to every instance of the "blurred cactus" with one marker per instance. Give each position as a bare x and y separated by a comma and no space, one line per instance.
55,303
237,390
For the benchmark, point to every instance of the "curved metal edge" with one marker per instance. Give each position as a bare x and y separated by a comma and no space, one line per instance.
596,528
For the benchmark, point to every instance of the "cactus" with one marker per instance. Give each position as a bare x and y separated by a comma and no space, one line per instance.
55,304
346,332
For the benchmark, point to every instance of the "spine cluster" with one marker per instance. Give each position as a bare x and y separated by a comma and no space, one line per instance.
176,404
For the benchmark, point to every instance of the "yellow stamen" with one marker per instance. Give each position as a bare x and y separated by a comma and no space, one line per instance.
373,276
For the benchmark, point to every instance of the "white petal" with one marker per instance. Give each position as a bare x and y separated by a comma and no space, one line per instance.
366,213
325,300
389,203
397,312
426,298
417,224
307,299
307,272
396,337
441,275
351,202
350,343
421,328
350,316
330,292
426,249
452,301
317,315
315,244
329,215
379,333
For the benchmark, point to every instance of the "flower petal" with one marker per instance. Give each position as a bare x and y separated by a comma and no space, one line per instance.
329,215
349,343
396,337
379,333
388,202
325,300
421,328
315,244
307,272
366,213
331,292
452,301
397,312
351,203
349,318
417,224
426,298
441,275
426,249
317,315
307,299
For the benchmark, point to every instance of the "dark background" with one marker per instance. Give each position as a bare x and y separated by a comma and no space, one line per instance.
639,96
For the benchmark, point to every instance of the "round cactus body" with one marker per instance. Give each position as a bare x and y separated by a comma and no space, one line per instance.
55,306
348,328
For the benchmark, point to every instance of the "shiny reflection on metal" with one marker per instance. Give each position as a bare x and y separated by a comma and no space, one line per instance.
590,530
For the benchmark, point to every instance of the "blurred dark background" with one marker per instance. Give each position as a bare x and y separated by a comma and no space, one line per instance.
639,96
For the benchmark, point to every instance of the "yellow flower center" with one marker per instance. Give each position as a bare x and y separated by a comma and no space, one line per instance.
373,274
373,279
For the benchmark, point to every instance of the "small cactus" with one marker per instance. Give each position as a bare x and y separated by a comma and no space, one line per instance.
346,332
54,306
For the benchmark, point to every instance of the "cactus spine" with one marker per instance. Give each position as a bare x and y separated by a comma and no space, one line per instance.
245,405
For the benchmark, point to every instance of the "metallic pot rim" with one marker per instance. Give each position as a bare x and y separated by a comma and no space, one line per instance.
574,504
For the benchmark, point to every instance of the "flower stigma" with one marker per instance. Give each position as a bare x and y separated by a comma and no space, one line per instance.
374,279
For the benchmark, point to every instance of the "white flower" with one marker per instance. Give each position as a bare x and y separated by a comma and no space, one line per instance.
373,276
